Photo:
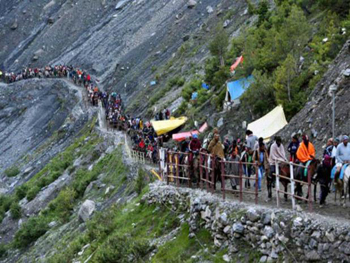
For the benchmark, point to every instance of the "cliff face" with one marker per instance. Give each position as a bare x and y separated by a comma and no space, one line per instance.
38,118
117,41
316,117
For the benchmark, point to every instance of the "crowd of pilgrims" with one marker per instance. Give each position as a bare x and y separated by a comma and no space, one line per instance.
58,71
144,138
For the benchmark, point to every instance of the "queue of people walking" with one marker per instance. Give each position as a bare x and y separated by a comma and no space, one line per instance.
253,152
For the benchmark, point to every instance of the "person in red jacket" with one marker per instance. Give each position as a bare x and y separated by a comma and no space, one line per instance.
195,144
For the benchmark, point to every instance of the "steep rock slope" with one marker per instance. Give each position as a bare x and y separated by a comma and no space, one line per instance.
38,119
315,118
117,41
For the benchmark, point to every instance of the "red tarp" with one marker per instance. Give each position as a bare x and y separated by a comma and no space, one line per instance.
235,65
183,135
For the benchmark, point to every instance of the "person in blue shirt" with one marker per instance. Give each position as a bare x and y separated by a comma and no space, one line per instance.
293,148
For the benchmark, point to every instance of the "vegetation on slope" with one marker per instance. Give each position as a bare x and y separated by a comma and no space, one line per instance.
287,51
53,170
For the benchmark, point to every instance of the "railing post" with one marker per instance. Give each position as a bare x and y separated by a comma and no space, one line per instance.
177,160
309,189
223,179
167,167
240,181
213,163
207,171
200,170
188,169
256,182
292,183
159,163
277,184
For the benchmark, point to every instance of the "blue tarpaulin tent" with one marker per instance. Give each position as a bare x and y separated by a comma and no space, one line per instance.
236,88
153,82
194,96
205,86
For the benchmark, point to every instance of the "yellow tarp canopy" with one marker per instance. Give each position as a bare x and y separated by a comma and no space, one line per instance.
269,124
162,127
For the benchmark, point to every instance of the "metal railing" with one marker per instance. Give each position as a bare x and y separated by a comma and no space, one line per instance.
291,179
178,169
240,177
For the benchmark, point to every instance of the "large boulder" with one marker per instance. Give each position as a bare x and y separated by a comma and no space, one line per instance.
191,3
253,215
86,210
14,25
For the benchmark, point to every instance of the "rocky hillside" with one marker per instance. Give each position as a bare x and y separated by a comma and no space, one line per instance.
316,117
117,41
38,120
69,189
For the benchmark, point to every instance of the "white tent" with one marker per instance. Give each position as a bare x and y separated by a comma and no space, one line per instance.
269,124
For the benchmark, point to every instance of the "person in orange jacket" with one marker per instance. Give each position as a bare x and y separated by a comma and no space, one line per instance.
306,150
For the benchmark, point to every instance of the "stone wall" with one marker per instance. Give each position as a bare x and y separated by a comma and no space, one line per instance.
277,234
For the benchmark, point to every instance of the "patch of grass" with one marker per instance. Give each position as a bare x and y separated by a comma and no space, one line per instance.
122,249
31,194
182,248
134,224
5,204
16,211
12,171
30,231
63,205
230,13
56,167
140,181
60,209
21,192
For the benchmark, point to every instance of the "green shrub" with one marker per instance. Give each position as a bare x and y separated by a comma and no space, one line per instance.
176,81
53,177
64,203
31,194
191,87
122,249
15,210
12,171
3,250
219,100
101,225
44,181
95,155
30,231
182,108
181,81
5,202
21,192
203,96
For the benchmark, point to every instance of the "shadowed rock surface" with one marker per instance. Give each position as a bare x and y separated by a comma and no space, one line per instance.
36,114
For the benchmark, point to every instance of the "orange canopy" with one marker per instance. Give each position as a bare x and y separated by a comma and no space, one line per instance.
235,65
